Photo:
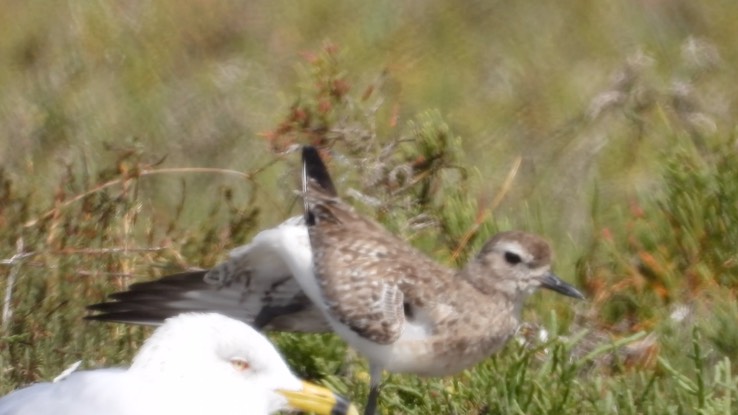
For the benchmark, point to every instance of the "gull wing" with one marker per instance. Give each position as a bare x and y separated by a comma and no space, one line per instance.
256,285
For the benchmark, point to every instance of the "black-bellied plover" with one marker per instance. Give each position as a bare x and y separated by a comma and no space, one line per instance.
334,269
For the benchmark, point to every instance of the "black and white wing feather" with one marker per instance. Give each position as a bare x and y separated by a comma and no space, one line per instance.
256,285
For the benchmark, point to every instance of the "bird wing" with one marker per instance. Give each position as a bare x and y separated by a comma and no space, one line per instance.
256,284
121,392
363,270
371,280
104,391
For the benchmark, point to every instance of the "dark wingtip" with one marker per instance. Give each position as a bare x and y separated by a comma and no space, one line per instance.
130,318
314,172
146,302
314,168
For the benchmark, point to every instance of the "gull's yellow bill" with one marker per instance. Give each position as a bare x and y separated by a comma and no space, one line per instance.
317,399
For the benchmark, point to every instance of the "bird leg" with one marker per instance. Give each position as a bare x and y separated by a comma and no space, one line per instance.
375,379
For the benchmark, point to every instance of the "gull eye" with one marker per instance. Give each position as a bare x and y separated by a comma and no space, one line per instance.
240,365
512,258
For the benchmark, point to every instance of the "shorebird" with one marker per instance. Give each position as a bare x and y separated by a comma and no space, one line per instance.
193,364
333,269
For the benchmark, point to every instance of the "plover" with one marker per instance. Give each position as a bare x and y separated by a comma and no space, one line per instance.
334,269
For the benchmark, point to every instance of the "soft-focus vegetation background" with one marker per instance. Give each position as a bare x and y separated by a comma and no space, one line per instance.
140,138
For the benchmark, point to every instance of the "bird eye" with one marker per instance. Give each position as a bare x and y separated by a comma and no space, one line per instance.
240,364
512,258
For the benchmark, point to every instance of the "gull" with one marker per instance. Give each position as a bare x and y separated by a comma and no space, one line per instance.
334,269
194,364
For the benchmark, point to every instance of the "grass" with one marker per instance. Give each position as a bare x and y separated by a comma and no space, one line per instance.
141,139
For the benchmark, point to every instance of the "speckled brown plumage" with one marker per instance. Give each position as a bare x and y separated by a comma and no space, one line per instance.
369,277
377,285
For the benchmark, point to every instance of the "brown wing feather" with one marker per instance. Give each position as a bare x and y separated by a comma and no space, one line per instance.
365,271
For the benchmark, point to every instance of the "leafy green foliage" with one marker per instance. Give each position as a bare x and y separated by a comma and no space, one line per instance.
676,245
